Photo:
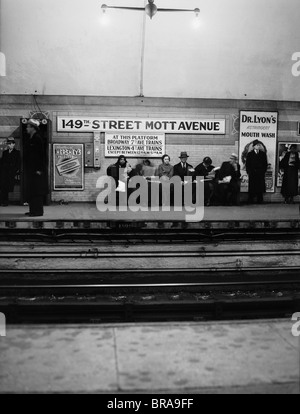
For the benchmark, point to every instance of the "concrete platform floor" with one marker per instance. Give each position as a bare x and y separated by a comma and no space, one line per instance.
176,358
89,212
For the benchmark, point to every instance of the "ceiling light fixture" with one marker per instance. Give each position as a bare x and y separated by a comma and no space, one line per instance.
151,9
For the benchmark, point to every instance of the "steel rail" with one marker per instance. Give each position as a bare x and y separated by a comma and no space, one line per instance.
149,285
98,254
238,268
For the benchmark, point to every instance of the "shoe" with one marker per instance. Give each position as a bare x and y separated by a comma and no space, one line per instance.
27,214
36,215
4,205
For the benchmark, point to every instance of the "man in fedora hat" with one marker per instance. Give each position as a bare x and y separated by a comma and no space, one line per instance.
183,169
10,168
256,166
35,170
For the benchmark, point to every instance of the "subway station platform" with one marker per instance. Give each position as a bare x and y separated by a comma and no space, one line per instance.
171,358
80,215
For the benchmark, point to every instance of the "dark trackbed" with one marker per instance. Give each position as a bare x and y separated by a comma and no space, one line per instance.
132,275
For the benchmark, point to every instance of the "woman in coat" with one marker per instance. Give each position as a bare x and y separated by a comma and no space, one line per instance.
121,170
290,164
165,170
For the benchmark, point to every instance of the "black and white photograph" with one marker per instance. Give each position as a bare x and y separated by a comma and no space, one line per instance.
149,199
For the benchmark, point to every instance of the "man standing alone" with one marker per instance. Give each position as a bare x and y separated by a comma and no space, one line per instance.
35,170
10,168
256,166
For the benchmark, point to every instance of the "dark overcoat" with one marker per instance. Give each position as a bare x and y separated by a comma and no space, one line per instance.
114,172
183,172
9,167
34,162
228,170
202,171
256,166
290,183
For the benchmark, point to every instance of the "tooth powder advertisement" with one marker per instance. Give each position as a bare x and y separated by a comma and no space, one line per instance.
68,167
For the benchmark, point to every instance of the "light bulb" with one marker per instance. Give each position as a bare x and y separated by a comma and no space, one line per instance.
104,19
197,23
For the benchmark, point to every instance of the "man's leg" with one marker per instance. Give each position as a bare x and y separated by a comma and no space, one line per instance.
223,194
36,206
4,198
260,198
251,198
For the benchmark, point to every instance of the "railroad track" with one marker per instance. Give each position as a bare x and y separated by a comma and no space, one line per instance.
91,276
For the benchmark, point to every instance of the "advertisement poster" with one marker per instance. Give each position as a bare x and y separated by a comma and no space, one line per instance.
283,148
135,145
261,126
68,167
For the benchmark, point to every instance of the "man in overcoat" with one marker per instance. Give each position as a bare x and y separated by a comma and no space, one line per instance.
184,169
10,165
35,170
256,166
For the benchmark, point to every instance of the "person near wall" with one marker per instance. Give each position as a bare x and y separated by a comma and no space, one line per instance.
256,166
229,181
120,171
165,171
10,166
145,169
184,169
35,170
290,164
206,170
186,172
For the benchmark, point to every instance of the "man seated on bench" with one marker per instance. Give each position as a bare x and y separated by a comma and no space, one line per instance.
229,182
206,170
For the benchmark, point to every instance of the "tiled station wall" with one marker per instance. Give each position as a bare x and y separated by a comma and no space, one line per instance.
219,148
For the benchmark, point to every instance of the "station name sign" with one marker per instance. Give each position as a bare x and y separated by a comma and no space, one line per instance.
153,126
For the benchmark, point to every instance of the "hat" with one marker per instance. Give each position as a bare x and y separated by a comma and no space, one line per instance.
184,155
234,156
256,142
33,122
11,140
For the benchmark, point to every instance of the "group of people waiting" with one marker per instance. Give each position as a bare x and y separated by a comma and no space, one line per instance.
222,185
